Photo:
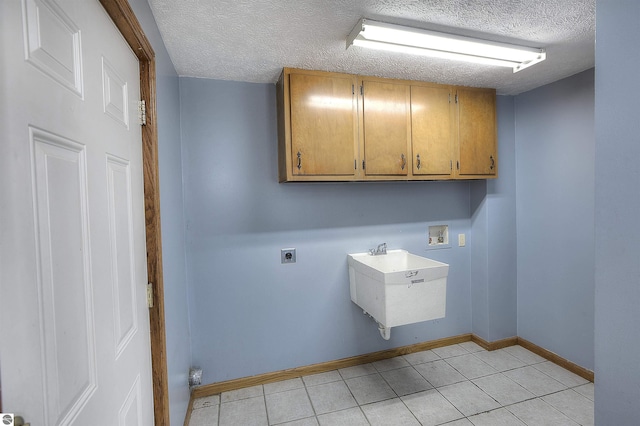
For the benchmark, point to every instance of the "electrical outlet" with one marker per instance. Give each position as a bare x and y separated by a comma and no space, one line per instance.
461,240
288,255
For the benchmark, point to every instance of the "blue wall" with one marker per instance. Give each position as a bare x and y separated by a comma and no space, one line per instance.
493,227
617,213
172,218
555,149
249,313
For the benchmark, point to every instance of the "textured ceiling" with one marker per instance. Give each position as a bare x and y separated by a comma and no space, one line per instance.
252,40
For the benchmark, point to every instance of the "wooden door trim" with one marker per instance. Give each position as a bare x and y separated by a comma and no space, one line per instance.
125,20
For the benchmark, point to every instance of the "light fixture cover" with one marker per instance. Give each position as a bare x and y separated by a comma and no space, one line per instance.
398,38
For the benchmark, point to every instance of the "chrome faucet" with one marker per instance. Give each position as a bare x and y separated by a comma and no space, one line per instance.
381,249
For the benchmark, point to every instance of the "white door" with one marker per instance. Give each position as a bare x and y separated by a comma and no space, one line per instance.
74,326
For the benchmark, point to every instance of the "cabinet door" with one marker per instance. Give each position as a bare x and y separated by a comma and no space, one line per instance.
387,128
432,130
324,125
477,132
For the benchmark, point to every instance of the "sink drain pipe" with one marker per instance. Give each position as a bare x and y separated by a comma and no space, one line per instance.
385,332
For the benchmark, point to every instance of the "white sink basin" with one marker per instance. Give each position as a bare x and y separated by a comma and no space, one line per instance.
398,288
397,265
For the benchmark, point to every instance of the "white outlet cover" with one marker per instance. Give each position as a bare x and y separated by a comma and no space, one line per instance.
288,255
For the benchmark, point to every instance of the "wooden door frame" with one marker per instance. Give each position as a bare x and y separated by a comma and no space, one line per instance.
125,20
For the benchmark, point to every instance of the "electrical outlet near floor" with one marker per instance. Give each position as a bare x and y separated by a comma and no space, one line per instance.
288,255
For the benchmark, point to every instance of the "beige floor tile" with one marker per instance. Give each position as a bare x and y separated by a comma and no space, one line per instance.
330,397
503,389
405,381
390,412
535,381
573,405
421,357
468,398
501,360
207,416
207,401
319,379
524,355
472,347
244,393
470,366
587,390
357,371
309,421
439,373
247,412
499,417
537,412
562,375
288,406
371,388
449,351
390,364
350,417
284,385
431,408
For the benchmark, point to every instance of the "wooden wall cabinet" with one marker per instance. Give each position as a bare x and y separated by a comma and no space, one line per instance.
477,154
317,126
433,131
385,139
340,127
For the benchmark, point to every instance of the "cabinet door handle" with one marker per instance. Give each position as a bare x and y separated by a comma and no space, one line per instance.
418,165
299,166
493,162
404,161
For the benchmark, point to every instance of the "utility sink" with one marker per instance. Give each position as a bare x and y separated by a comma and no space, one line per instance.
398,288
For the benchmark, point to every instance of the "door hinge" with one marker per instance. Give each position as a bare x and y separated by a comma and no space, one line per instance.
456,98
142,112
353,89
362,90
362,164
449,97
149,295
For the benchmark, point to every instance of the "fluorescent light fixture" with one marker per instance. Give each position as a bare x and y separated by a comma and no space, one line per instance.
398,38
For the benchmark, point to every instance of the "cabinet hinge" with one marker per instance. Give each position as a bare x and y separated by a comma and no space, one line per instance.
458,165
353,89
149,295
142,113
362,164
362,90
355,164
449,97
451,165
456,98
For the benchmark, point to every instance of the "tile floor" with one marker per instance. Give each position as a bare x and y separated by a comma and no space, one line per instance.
455,385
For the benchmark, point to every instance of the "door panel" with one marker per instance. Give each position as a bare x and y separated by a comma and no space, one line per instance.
477,131
323,125
431,130
387,124
64,284
122,252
